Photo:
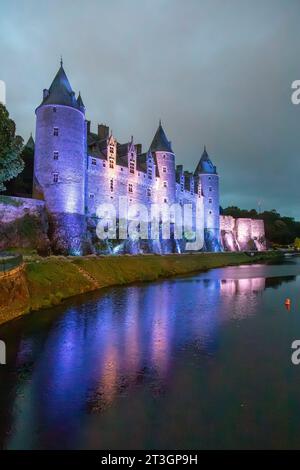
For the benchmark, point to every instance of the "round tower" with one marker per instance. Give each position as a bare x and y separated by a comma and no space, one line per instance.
164,158
60,164
207,175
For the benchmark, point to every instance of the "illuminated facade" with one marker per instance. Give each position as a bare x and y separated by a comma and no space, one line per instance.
76,170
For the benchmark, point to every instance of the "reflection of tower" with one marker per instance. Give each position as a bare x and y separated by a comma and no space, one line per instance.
60,163
206,174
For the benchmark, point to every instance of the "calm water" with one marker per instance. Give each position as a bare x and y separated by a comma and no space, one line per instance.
194,362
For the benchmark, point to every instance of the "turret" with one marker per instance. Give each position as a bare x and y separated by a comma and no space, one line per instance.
165,160
60,163
207,179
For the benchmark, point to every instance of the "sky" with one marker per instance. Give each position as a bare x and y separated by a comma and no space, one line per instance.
218,73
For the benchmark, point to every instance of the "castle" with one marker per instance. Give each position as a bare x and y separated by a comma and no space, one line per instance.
76,169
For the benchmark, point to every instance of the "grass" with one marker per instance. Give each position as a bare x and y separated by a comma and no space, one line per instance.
47,281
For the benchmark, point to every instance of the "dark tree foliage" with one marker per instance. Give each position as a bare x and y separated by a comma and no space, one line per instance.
11,163
279,229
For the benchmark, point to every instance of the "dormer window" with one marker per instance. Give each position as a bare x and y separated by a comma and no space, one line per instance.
55,131
55,155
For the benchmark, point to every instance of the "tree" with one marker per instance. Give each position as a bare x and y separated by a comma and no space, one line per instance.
297,244
11,163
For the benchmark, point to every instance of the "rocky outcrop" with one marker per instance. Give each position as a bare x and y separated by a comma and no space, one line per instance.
23,224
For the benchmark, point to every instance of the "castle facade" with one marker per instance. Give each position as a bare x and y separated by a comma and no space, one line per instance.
76,170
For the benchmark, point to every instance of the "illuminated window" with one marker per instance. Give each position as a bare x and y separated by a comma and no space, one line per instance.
131,167
55,177
130,188
111,185
55,155
94,161
55,131
164,169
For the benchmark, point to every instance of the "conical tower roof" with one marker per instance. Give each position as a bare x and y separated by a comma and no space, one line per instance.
60,91
160,143
205,164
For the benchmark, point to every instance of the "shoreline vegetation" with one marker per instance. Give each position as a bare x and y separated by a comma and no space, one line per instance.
46,282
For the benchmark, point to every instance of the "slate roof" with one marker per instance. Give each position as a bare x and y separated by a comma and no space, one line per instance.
60,91
160,141
205,164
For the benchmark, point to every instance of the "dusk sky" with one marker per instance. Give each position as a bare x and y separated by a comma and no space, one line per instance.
216,72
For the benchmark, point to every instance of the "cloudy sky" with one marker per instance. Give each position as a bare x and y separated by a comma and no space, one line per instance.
216,72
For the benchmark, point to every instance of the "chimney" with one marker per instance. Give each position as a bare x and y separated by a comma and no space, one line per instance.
88,127
138,148
103,131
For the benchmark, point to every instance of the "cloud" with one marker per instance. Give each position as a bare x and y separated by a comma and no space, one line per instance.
217,73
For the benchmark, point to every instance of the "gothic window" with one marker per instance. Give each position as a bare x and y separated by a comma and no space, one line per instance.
130,188
55,131
111,185
165,184
94,161
55,177
55,155
131,167
164,169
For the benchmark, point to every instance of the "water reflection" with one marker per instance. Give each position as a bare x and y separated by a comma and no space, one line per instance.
104,350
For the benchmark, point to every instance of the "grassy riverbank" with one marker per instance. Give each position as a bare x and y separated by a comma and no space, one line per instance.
47,281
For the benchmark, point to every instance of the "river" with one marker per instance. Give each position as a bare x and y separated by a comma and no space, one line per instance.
197,362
